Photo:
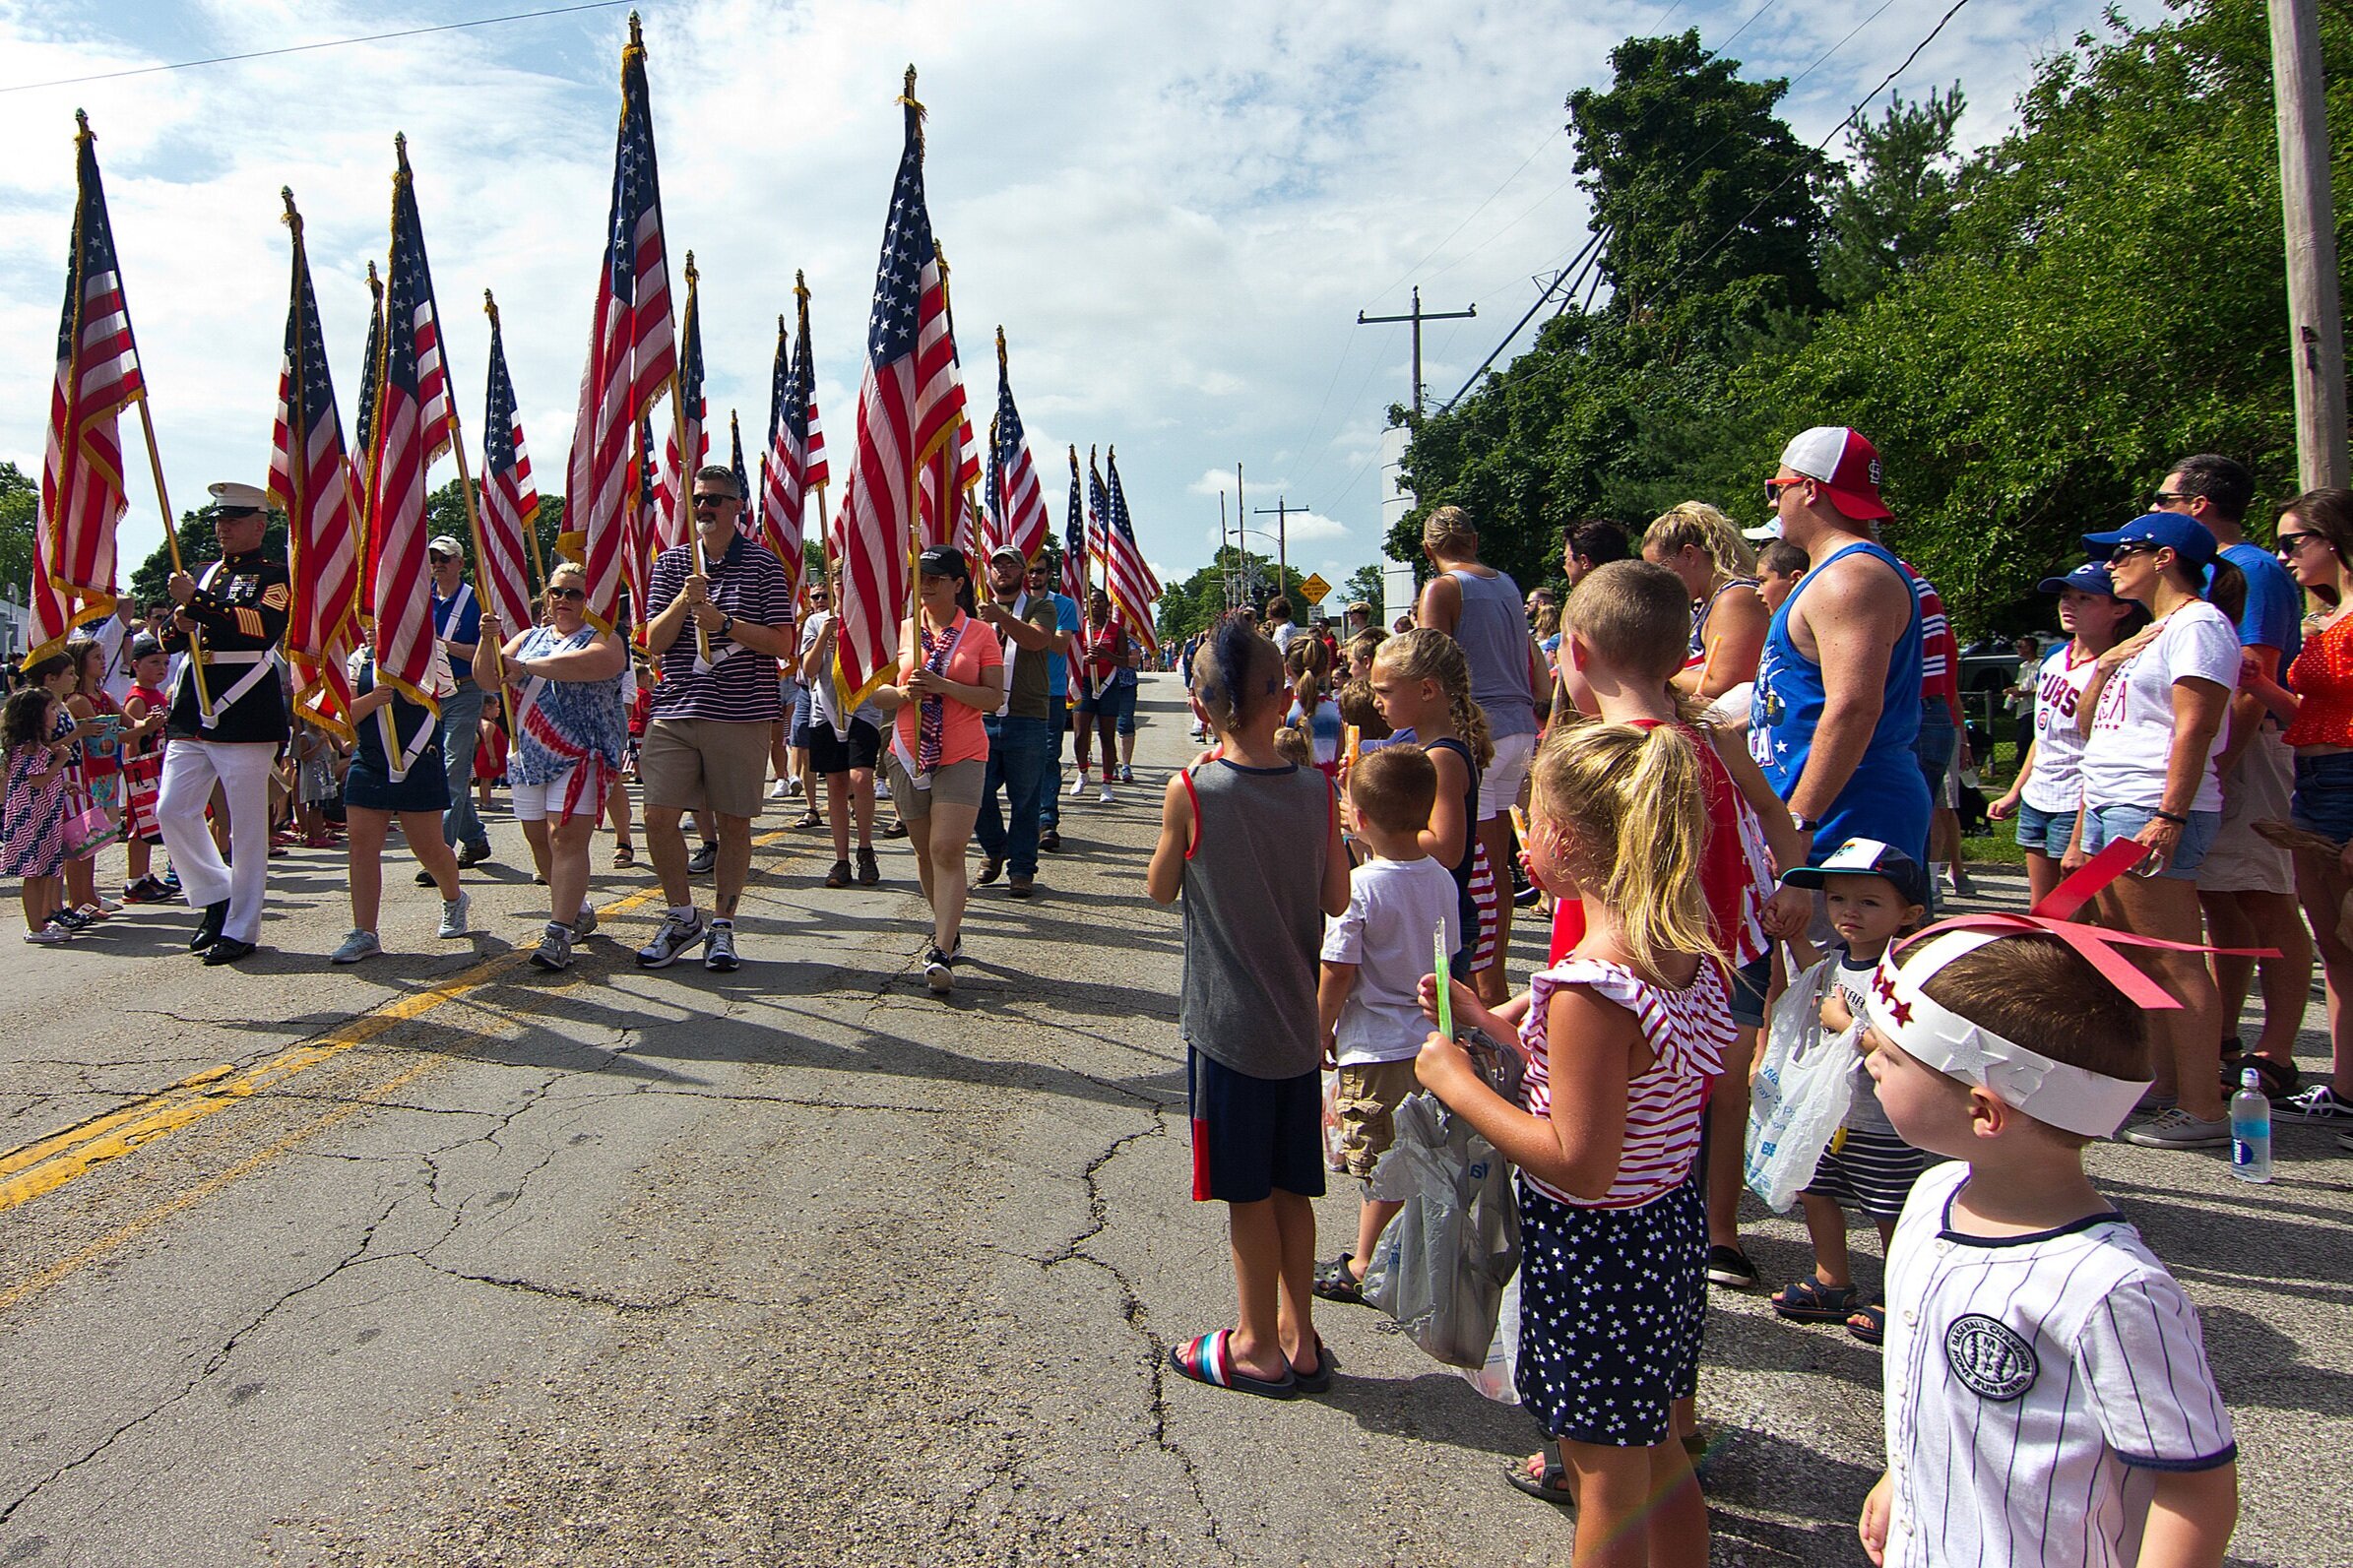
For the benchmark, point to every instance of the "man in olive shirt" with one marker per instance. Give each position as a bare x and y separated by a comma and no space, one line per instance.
1021,739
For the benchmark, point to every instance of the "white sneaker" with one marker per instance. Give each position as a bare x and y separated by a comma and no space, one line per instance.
50,935
358,945
1078,786
453,915
1107,799
783,788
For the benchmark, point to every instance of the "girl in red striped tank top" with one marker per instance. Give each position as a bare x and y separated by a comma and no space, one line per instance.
1621,1039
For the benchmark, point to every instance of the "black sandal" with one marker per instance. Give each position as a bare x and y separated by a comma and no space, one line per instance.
1552,1487
1874,1325
2277,1080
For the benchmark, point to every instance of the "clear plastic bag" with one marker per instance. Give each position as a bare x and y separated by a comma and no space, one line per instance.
1804,1085
1442,1263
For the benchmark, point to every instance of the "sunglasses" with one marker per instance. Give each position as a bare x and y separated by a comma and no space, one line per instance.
570,595
2125,552
1774,487
713,501
2290,543
2169,498
437,558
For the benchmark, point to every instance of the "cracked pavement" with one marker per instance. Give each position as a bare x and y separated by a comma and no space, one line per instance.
800,1265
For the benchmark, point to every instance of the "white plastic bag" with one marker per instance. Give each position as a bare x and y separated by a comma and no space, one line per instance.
1499,1377
1803,1087
1442,1263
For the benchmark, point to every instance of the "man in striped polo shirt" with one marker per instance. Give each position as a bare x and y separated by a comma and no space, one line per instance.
716,634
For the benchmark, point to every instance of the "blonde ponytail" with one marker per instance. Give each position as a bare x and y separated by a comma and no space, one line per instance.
1633,803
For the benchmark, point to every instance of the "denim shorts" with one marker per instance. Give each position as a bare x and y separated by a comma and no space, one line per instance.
2323,801
2044,832
2104,825
1935,746
1117,701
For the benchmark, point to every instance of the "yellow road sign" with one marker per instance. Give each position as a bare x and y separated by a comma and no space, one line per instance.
1315,588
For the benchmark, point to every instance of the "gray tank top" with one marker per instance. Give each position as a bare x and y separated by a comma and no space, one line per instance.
1254,917
1494,633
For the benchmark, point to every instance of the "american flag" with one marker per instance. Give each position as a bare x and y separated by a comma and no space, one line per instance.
639,527
631,353
909,403
310,480
743,490
1074,540
415,425
673,486
784,469
1131,581
510,501
1099,515
370,369
81,478
1014,495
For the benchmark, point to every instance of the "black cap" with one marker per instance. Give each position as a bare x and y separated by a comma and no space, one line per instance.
944,560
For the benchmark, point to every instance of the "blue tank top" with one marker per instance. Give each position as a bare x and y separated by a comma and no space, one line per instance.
1886,797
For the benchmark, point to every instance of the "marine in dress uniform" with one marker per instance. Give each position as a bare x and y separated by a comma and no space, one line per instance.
237,608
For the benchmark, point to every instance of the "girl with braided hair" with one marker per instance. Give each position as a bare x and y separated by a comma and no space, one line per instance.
1422,684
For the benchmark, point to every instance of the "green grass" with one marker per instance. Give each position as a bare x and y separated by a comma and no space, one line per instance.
2001,846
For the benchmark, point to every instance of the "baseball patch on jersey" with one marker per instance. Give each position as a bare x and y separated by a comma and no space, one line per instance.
1989,1358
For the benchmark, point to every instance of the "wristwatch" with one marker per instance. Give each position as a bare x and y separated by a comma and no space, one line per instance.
1803,823
727,624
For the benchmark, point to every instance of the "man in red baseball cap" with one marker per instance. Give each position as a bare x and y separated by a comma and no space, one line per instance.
1837,704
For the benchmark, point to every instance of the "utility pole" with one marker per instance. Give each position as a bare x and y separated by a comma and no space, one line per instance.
1225,562
2315,326
1280,512
1418,316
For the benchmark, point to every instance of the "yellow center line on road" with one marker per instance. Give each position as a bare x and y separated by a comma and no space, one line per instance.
48,1164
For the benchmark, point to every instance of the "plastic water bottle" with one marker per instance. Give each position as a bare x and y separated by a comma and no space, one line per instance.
2251,1130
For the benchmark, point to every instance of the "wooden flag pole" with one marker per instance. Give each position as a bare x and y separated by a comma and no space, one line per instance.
686,465
172,538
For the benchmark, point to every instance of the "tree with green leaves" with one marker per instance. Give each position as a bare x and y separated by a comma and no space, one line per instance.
198,545
1366,582
1698,182
1200,599
19,506
1893,203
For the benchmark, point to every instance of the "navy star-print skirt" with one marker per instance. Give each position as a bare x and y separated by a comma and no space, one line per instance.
1612,1302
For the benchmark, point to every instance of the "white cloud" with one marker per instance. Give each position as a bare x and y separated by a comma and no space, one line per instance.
1176,214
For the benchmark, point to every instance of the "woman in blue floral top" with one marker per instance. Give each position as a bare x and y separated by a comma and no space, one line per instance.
564,683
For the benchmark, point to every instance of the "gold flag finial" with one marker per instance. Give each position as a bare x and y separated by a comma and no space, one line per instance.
800,287
1000,347
691,273
490,309
291,218
375,285
81,124
906,94
637,37
399,147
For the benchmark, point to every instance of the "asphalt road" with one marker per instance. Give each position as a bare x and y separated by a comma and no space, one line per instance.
441,1261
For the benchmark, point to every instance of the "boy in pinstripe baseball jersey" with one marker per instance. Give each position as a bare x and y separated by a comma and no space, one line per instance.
2047,1397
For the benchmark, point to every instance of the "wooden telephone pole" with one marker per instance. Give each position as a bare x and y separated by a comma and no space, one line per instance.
2316,325
1418,316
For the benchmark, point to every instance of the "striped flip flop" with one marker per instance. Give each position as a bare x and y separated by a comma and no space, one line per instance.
1209,1358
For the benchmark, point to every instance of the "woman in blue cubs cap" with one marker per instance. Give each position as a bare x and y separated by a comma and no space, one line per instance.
2156,703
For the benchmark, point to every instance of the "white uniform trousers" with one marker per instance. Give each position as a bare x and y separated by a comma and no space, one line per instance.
190,768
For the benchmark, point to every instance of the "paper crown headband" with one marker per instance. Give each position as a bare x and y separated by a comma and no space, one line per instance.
2088,1104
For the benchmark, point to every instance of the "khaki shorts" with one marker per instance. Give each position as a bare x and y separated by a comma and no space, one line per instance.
958,784
1367,1097
704,764
2242,860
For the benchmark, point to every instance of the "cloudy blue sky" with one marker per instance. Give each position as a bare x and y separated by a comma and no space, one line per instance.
1175,212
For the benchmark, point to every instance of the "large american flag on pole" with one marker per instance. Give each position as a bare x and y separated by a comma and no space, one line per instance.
310,480
81,478
784,467
909,403
1014,495
1074,540
674,485
414,426
744,492
1131,585
1098,519
631,355
510,501
640,526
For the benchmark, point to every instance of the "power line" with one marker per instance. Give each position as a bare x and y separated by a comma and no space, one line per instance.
305,48
1592,249
1474,213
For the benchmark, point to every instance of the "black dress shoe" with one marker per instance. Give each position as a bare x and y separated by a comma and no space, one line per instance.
227,950
208,929
1050,840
